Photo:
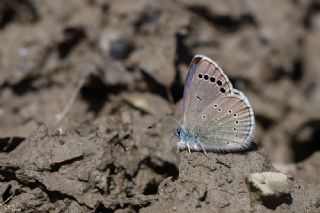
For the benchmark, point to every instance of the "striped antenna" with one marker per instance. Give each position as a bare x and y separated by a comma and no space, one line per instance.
154,125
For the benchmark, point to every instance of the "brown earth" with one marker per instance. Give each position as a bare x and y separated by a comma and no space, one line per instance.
80,81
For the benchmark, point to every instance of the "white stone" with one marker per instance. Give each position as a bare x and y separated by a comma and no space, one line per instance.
269,183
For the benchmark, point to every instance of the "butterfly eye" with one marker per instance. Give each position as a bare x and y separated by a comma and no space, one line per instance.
222,90
212,79
219,82
199,75
206,77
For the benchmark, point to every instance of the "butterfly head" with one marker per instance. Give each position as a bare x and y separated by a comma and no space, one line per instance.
178,131
181,134
187,141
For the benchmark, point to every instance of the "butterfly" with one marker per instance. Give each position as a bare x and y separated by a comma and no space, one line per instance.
216,117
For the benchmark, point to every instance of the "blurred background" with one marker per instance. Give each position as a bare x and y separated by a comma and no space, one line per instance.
117,66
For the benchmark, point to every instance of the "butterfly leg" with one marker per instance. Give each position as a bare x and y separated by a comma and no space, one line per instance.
188,146
204,150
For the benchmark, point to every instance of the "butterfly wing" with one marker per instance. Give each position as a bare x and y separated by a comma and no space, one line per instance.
205,83
227,124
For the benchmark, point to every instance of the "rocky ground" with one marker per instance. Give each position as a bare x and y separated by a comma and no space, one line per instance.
80,82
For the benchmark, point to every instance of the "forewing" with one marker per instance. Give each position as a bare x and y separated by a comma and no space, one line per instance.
227,124
205,83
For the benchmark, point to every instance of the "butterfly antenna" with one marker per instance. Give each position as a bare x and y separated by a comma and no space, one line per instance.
154,126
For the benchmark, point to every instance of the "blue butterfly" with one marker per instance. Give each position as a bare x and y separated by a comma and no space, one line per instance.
216,117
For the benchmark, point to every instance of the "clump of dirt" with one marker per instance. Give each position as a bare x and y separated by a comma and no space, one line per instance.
80,82
220,183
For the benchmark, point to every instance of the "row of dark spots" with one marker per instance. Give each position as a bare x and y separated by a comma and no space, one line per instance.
234,115
229,111
212,80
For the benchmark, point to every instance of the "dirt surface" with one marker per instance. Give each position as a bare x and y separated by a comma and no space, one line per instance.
80,82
